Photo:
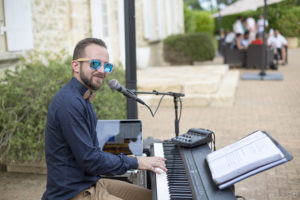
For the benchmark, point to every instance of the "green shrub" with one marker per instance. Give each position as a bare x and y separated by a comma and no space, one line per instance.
189,20
198,21
25,96
289,22
187,48
204,22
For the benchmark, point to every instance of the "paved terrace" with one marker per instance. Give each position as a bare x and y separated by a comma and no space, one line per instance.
273,106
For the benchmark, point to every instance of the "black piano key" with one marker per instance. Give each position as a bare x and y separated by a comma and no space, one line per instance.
179,196
177,179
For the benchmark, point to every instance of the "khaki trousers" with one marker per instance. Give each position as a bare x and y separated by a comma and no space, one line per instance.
110,189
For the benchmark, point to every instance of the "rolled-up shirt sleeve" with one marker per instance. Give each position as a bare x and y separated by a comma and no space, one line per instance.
75,125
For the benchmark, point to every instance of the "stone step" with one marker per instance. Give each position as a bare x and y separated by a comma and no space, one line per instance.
215,87
226,94
187,79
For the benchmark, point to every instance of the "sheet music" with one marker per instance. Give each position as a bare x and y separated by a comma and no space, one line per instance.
245,155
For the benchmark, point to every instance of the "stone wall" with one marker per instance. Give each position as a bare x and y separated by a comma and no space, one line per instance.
59,24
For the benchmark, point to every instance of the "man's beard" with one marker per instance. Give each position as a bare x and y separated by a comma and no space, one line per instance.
89,81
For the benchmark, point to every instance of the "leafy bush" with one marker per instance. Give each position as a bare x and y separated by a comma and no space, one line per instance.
26,93
204,22
197,21
187,48
289,22
189,20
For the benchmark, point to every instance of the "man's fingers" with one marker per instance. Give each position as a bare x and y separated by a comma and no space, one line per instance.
159,168
155,164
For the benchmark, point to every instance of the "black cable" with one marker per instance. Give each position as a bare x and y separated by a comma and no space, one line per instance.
159,104
240,197
180,109
153,114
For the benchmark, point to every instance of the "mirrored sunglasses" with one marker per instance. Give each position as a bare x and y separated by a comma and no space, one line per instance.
96,64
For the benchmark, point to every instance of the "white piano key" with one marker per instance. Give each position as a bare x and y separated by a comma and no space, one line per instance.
161,179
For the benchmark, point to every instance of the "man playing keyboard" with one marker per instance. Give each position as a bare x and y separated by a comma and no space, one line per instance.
74,159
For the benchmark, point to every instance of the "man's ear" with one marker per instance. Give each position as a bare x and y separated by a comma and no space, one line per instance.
75,66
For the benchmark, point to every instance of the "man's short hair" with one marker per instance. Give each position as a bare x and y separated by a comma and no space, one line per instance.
79,50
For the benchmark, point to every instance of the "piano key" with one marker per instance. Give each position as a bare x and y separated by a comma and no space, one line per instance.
187,177
175,184
161,179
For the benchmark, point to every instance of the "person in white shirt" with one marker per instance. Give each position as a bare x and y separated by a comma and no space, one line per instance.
279,43
251,27
260,24
238,26
229,38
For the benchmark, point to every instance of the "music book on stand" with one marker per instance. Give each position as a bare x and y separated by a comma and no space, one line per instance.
252,154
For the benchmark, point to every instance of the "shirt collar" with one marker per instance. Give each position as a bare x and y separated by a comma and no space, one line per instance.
83,90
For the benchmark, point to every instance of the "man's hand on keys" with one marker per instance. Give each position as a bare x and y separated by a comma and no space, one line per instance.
155,164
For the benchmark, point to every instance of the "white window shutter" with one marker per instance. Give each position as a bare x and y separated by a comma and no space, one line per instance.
175,17
160,19
169,16
100,19
148,15
18,22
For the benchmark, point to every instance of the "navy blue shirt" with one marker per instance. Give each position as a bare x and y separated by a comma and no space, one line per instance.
74,158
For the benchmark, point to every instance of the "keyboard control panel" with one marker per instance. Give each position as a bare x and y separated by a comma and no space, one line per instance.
194,137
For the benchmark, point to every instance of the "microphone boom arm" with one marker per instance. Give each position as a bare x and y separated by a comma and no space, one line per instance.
175,95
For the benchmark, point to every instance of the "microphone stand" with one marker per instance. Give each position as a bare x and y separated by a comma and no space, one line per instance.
175,95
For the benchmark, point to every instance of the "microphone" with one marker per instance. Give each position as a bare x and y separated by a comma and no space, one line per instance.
115,85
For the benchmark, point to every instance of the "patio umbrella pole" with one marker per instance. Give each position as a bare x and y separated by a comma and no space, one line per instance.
263,73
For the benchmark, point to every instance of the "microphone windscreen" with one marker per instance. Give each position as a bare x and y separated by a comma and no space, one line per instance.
113,84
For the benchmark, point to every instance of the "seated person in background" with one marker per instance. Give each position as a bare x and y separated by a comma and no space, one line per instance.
221,35
271,33
238,42
230,37
258,40
279,43
245,41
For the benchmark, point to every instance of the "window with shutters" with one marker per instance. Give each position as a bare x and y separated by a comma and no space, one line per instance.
18,25
100,19
2,28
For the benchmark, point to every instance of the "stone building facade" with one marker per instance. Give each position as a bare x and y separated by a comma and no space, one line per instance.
55,25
